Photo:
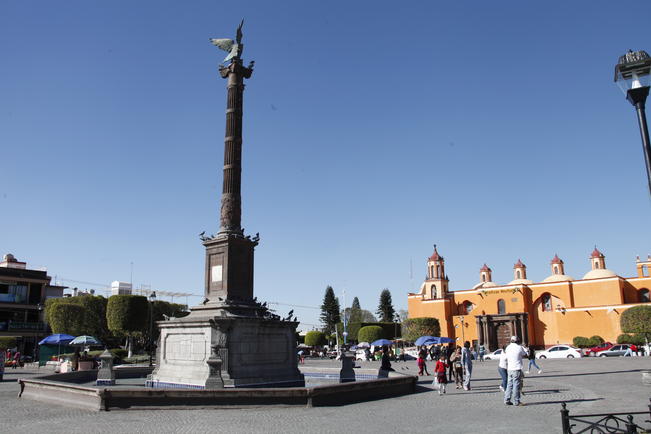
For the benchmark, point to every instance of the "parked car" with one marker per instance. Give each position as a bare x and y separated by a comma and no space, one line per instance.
594,351
495,355
360,354
559,352
614,350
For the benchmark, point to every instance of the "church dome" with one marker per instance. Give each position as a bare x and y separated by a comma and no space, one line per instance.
599,273
558,278
520,282
485,285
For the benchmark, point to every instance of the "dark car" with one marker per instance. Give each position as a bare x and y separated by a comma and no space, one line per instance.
594,351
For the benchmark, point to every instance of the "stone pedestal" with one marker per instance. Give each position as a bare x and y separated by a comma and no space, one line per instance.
254,351
347,374
105,374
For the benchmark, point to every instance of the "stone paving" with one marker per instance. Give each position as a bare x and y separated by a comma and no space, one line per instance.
589,385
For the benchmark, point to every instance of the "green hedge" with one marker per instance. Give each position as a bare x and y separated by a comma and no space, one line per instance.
583,342
390,330
413,328
127,314
315,338
370,334
636,320
626,338
67,318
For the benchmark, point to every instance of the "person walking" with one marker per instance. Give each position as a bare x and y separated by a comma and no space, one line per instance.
532,360
450,353
441,377
16,360
457,367
514,354
422,366
386,362
501,369
482,351
466,362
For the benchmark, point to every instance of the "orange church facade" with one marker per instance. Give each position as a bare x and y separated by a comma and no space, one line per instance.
540,313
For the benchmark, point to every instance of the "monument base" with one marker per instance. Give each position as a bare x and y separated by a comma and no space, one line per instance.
254,351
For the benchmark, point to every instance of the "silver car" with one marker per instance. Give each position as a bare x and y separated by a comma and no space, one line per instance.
615,350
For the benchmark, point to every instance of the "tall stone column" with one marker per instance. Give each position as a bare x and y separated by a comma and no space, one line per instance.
229,255
231,202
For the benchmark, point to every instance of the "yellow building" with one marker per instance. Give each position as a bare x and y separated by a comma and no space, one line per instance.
540,313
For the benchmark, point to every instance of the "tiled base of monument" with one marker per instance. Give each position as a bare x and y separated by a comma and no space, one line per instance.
252,352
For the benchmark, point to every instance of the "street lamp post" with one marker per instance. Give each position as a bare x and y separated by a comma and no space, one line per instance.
39,307
152,298
632,74
463,334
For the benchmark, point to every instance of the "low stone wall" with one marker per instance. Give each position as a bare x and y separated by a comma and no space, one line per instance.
63,389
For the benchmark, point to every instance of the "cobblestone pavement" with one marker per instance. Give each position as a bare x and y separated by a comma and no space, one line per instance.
589,385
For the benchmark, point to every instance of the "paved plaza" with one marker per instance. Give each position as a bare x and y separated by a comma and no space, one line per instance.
589,385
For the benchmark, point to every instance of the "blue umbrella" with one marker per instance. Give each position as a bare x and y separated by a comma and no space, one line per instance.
444,340
59,338
85,341
426,340
381,342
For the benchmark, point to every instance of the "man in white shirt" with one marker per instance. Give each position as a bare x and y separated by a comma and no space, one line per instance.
514,354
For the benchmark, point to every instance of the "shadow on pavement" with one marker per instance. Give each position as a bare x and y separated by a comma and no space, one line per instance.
564,400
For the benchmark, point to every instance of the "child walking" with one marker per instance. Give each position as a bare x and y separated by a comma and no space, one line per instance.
439,371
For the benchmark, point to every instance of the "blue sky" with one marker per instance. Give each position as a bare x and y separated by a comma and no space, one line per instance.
371,132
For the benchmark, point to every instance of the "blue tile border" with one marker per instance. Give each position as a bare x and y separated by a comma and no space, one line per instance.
163,385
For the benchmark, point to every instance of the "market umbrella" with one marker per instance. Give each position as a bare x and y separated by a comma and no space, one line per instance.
381,342
58,338
363,345
85,341
426,340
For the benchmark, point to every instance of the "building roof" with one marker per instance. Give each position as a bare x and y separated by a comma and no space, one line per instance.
485,268
558,278
556,260
435,256
485,285
519,264
599,273
596,253
521,282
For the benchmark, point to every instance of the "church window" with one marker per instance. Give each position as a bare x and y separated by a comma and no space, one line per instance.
433,288
468,305
501,307
517,275
555,269
546,302
645,271
483,278
438,271
644,295
431,272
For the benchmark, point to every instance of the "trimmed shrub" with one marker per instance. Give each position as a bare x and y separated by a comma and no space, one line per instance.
582,342
315,338
413,328
390,330
636,320
94,321
596,340
626,338
67,318
127,314
370,334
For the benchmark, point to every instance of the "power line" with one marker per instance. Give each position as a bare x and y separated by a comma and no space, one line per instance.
294,305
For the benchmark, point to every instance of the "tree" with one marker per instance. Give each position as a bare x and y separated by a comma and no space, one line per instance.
330,315
315,338
92,323
637,320
356,304
414,328
127,315
385,309
68,318
367,316
369,334
7,342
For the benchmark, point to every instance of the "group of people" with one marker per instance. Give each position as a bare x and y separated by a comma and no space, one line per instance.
451,363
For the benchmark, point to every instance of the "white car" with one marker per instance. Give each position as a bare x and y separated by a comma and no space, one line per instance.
495,355
559,352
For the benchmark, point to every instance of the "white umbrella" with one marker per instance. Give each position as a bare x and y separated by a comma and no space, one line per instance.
85,341
363,345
